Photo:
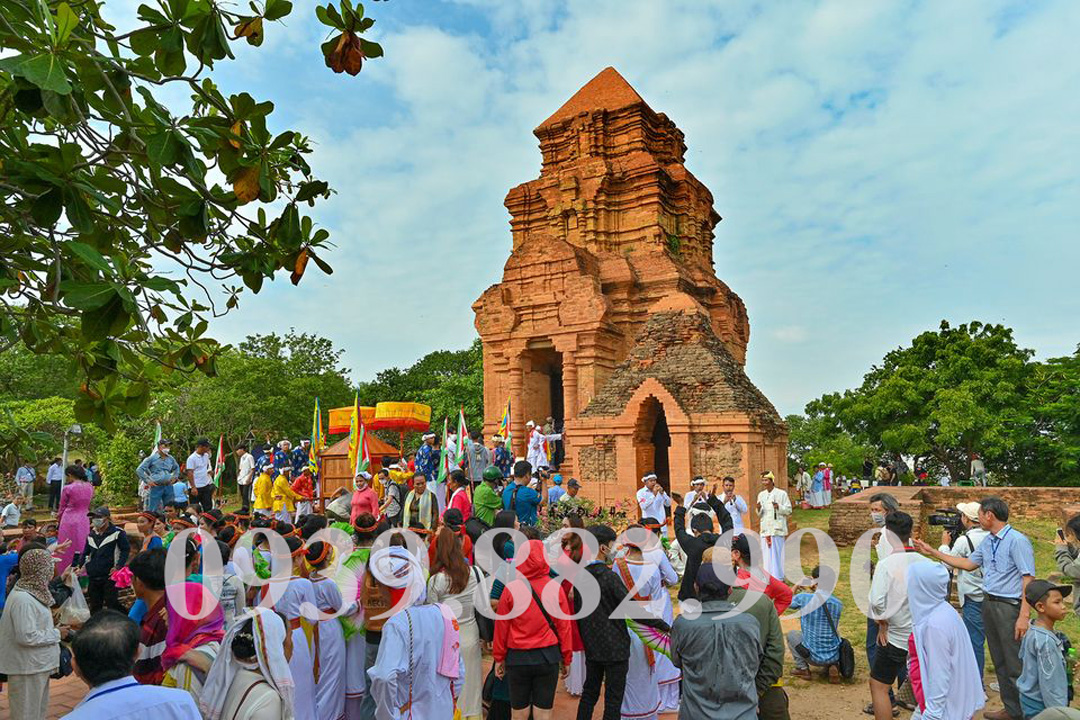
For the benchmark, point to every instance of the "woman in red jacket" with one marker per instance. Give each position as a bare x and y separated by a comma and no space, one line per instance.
529,648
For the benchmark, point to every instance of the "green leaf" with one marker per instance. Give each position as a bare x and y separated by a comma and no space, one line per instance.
110,319
323,265
79,213
89,255
323,16
87,295
162,149
46,208
158,283
311,189
277,9
145,42
371,49
46,72
66,21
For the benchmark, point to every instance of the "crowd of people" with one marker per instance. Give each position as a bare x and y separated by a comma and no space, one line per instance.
384,603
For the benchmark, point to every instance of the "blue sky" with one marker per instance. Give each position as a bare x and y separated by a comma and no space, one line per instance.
880,166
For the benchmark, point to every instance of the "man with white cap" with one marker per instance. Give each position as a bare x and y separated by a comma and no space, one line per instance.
654,501
969,583
773,507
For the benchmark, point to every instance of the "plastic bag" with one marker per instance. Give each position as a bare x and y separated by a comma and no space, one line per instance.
74,612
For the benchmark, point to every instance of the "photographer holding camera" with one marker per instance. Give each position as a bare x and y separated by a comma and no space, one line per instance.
969,583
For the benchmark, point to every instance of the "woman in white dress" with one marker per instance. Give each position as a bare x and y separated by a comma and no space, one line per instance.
330,646
668,676
642,698
297,604
454,584
250,679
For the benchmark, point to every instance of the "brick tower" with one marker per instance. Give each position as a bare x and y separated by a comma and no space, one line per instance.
610,317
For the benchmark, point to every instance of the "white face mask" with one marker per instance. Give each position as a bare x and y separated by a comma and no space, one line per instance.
99,522
165,451
878,518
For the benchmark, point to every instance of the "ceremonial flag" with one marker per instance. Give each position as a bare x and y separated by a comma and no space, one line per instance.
157,436
219,466
317,440
363,458
354,432
463,434
444,456
504,424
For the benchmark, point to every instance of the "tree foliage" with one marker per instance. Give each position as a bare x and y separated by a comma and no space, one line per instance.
952,393
127,225
447,380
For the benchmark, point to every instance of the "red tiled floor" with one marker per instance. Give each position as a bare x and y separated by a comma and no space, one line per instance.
63,696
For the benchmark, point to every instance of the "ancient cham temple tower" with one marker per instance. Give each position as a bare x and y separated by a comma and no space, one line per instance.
610,317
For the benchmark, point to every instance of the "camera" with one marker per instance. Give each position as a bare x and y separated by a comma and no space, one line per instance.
949,520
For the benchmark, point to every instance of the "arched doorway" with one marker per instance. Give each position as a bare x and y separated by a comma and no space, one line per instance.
652,441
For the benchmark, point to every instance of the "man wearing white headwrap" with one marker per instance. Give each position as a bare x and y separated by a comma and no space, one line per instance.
250,678
774,507
654,501
419,672
952,686
536,454
697,492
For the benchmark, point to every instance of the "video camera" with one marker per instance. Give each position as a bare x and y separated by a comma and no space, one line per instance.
949,520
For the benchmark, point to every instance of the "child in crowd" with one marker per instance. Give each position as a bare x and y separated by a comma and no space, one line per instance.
1043,683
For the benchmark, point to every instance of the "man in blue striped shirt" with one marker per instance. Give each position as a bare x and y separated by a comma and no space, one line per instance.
816,643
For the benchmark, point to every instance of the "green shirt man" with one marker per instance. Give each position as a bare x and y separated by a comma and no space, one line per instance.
486,502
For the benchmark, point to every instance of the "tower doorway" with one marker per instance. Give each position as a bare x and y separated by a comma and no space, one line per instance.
652,442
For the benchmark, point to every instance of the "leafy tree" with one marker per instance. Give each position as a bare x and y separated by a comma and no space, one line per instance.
35,429
26,376
127,225
267,387
819,438
1053,445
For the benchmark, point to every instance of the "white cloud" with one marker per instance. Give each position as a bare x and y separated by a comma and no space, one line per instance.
879,166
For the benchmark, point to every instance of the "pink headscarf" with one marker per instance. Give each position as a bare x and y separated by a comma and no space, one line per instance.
184,634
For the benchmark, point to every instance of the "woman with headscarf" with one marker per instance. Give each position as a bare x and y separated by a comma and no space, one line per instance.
419,672
454,582
250,679
29,642
71,518
951,686
193,639
330,638
297,603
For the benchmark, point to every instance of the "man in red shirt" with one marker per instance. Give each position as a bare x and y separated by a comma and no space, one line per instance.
756,578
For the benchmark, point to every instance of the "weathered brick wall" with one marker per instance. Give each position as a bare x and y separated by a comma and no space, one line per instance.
851,518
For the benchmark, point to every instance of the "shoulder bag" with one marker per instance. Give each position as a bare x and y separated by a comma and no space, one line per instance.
846,652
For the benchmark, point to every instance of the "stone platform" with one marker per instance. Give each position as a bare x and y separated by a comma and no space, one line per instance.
850,517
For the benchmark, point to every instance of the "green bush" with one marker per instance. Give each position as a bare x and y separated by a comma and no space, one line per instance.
118,461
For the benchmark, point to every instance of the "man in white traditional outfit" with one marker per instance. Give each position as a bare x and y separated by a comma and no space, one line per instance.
734,504
802,483
774,507
653,501
536,454
696,494
419,671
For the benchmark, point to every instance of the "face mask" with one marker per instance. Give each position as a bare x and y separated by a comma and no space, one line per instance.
878,519
165,451
99,522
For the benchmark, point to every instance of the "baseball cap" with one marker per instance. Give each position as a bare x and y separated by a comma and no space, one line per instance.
573,483
1037,590
970,509
557,479
164,441
101,512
